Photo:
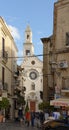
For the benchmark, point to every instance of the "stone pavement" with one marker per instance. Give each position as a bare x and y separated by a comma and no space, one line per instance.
16,126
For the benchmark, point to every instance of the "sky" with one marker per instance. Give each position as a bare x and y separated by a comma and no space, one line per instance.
38,14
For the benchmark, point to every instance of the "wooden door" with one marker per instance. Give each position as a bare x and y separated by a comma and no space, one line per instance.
32,105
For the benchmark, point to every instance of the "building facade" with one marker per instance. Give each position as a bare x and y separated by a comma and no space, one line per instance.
48,74
61,47
32,74
8,65
59,52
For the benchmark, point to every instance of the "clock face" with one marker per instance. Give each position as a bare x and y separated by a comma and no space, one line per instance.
33,75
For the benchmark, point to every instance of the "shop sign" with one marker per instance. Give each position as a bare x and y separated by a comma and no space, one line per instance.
60,104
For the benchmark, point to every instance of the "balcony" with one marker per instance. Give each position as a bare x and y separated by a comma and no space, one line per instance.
16,74
4,56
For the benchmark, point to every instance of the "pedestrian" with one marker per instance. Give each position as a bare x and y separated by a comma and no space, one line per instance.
20,115
41,115
37,121
46,115
27,118
32,118
56,114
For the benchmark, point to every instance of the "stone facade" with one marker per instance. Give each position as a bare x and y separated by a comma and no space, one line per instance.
32,73
8,65
61,44
56,48
47,73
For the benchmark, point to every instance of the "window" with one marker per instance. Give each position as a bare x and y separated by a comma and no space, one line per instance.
67,39
33,75
27,52
33,86
33,62
3,46
27,36
65,83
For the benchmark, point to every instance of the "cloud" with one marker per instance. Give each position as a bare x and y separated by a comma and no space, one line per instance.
14,31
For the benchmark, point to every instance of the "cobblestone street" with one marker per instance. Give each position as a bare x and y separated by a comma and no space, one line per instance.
15,126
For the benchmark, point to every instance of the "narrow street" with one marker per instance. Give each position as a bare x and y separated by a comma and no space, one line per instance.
15,126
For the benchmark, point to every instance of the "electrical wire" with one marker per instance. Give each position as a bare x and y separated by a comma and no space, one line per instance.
29,56
58,52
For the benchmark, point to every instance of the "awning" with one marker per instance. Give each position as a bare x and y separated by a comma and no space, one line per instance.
60,102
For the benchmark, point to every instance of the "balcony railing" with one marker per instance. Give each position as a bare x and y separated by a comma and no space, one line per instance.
4,56
16,74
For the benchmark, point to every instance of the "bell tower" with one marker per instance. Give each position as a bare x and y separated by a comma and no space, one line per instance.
28,48
28,35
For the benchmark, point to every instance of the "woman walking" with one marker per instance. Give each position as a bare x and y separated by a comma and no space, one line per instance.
28,118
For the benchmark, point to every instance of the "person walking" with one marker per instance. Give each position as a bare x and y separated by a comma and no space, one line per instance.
56,114
41,116
32,118
46,115
27,118
20,115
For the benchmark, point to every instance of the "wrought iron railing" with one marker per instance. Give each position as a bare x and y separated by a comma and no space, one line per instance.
4,56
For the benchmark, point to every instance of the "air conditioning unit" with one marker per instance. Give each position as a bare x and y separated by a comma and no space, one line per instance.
63,65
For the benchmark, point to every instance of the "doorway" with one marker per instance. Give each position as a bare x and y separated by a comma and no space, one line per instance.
32,105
